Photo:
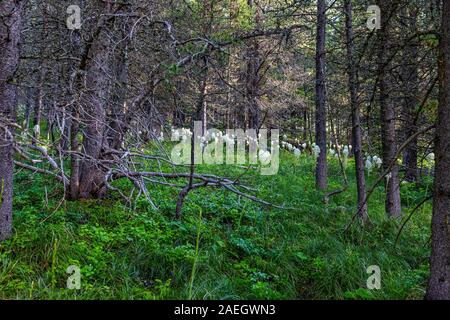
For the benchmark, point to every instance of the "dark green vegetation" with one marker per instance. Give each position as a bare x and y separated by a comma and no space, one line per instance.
245,250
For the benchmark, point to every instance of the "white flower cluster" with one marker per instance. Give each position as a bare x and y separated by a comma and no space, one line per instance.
183,133
316,150
430,157
288,146
373,162
333,153
334,150
264,156
216,137
230,139
346,150
37,130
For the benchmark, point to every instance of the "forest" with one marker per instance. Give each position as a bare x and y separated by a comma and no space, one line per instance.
224,150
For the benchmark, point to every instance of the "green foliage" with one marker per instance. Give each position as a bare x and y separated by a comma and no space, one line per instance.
234,250
430,40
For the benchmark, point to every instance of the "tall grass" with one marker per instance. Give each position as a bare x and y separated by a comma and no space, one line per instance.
194,265
247,251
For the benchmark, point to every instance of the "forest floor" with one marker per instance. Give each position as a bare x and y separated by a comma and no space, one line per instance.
245,251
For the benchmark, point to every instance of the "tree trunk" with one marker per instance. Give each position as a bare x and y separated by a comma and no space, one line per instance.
179,118
305,124
28,107
410,102
39,90
253,75
94,117
388,120
74,84
201,107
321,130
439,284
205,106
74,184
38,106
356,122
10,27
120,111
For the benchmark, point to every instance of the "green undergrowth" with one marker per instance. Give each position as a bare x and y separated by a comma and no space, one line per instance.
245,250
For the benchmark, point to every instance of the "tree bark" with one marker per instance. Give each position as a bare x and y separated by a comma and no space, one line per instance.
439,283
28,107
388,118
253,75
201,108
120,110
38,106
94,117
40,81
321,130
10,27
410,102
74,84
356,121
